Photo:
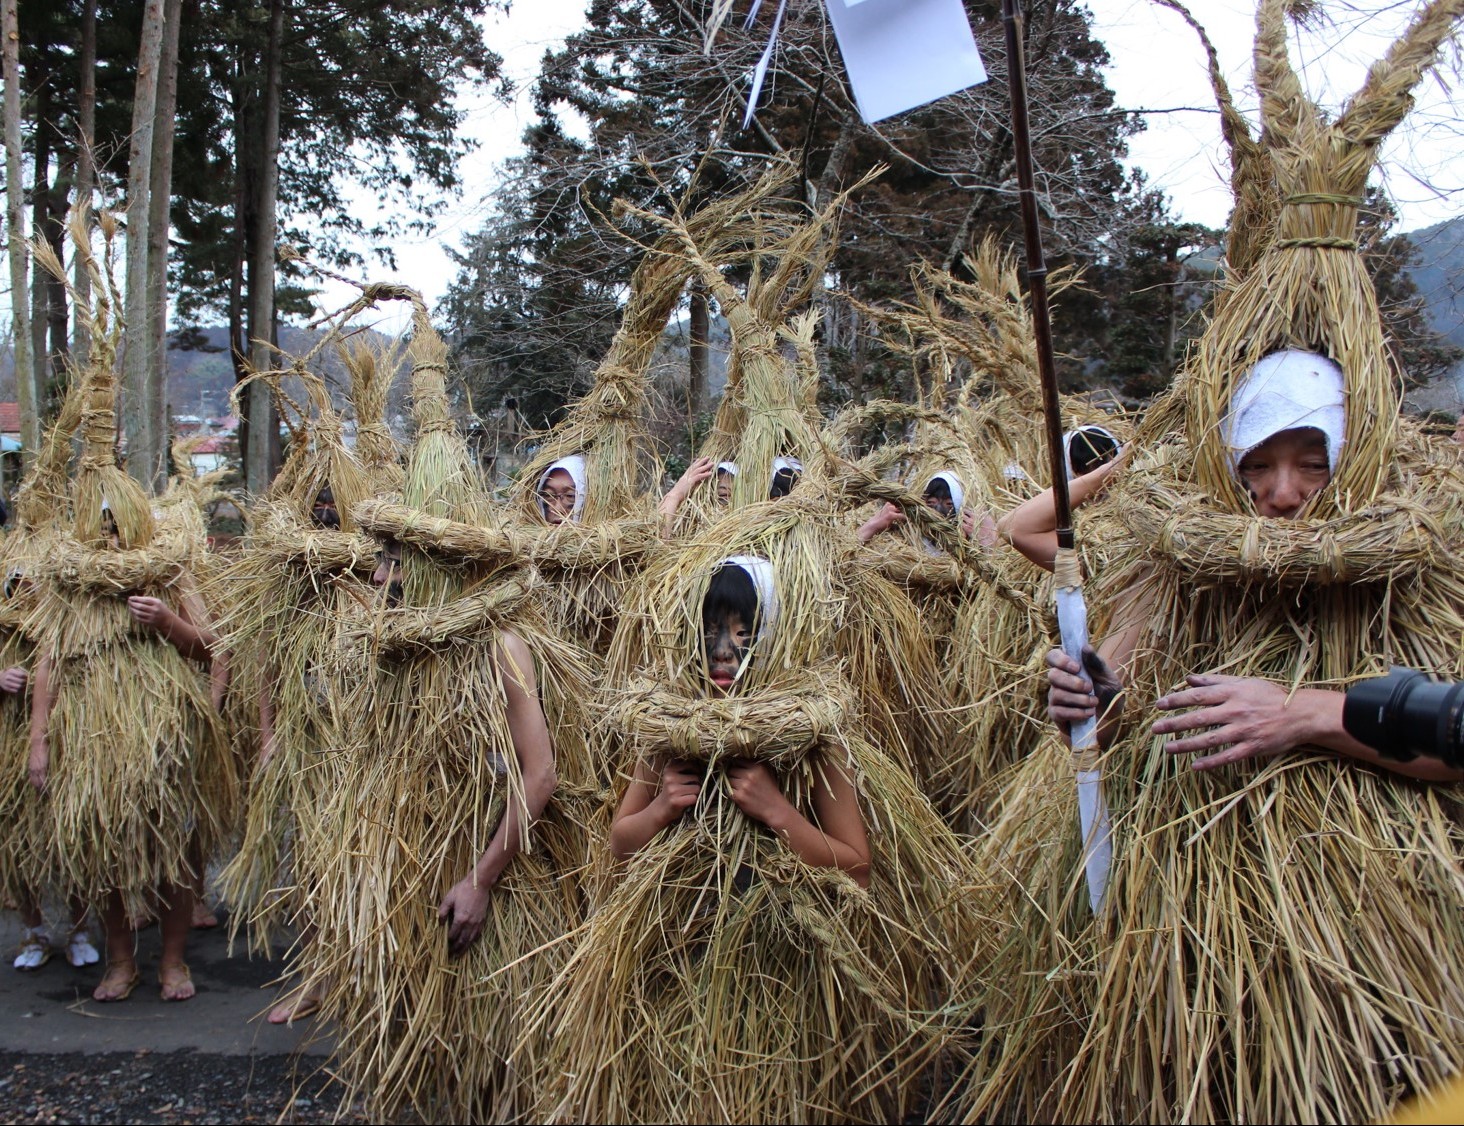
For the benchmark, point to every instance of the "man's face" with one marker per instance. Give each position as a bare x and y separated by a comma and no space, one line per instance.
557,495
388,573
724,488
1285,471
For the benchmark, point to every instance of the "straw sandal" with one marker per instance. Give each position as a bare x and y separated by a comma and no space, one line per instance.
80,951
127,985
35,950
173,976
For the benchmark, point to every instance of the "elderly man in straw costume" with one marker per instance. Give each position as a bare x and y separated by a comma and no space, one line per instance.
1281,937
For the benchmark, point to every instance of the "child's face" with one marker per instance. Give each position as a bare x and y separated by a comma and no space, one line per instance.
726,641
724,487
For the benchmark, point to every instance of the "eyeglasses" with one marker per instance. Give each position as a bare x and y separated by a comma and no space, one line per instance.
550,496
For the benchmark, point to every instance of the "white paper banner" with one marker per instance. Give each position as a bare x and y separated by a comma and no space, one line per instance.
903,53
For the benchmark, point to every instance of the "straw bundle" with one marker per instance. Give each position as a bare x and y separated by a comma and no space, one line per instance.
1271,923
721,978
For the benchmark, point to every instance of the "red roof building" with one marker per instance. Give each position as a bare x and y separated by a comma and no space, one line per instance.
10,419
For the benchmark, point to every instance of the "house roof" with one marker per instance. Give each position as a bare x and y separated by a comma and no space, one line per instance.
9,418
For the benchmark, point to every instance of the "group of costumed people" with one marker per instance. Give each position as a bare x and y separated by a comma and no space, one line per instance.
748,799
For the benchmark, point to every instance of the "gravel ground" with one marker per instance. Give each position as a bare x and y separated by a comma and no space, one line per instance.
167,1087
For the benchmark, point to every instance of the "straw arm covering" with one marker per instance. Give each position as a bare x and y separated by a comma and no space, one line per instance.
777,725
473,619
449,540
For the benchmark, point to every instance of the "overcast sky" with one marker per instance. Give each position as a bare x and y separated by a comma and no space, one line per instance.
1158,68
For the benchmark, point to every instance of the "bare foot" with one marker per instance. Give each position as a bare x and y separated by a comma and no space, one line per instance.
203,918
296,1005
118,983
176,981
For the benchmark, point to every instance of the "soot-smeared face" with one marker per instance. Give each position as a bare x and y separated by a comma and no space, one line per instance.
1285,471
388,573
323,513
726,639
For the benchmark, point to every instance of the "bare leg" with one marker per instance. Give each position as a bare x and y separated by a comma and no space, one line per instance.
177,921
121,977
203,918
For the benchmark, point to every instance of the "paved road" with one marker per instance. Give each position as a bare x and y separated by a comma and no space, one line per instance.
51,1010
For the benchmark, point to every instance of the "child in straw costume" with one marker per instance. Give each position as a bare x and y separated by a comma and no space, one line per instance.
433,896
1281,935
302,567
124,738
789,906
25,863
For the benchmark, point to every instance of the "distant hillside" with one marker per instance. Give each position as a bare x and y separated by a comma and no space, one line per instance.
201,376
1439,276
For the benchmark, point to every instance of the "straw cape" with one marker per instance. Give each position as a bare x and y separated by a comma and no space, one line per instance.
424,770
768,412
1282,939
138,780
722,978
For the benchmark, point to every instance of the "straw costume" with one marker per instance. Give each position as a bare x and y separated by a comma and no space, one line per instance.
427,768
723,978
26,853
286,594
1281,938
137,780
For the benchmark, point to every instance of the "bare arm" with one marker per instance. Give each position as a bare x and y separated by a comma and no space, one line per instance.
40,744
887,517
186,630
698,471
464,908
658,794
1031,527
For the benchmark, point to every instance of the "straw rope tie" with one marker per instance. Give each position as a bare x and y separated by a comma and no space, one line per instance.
1318,242
1323,197
472,619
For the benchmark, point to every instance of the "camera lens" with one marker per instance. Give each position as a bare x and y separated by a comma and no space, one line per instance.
1405,714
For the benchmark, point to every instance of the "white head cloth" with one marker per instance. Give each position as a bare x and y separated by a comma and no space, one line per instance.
785,461
1089,428
760,571
728,467
1287,390
574,465
958,490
